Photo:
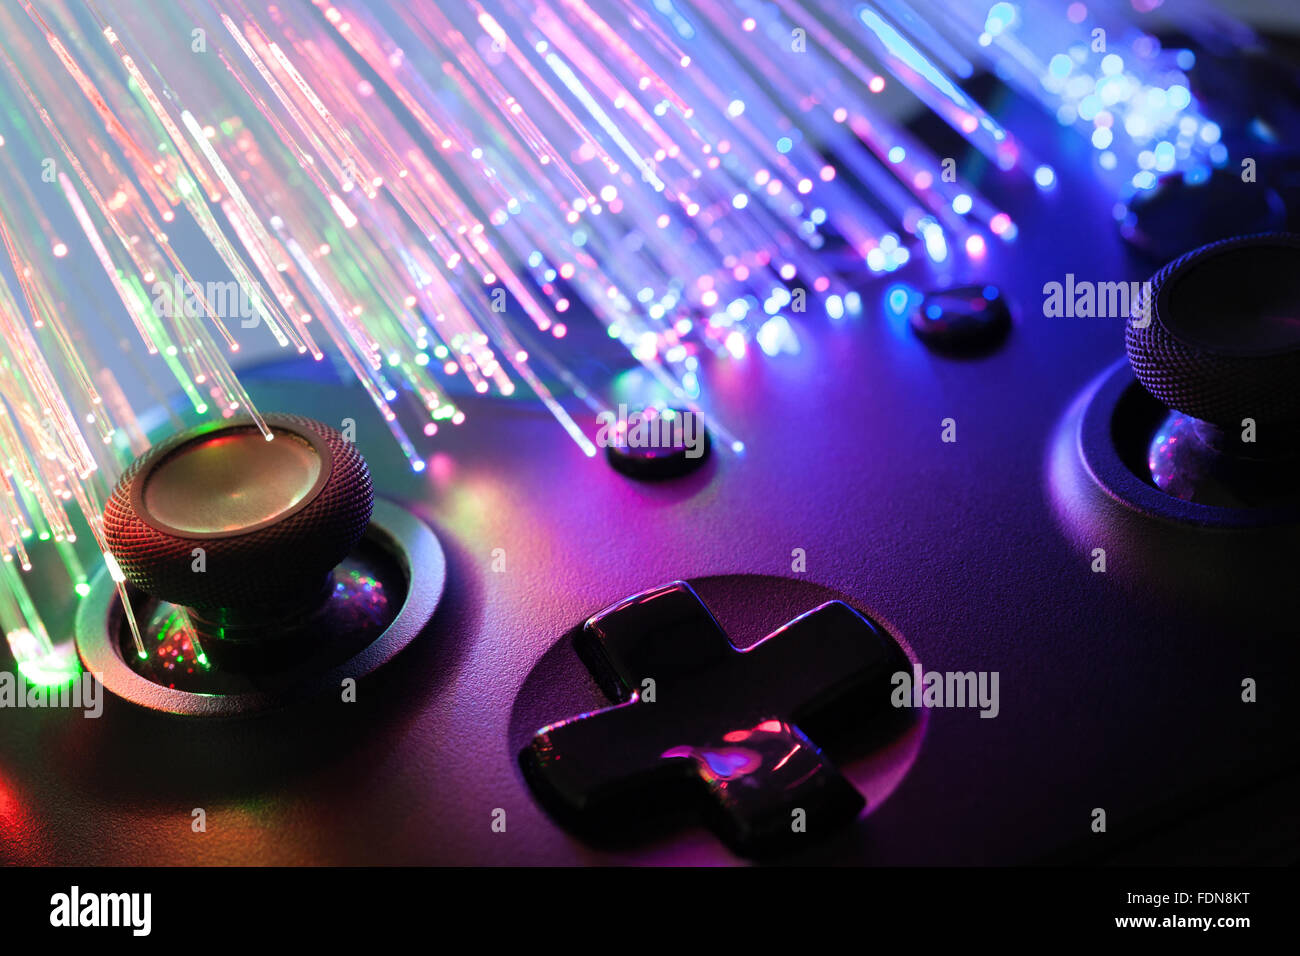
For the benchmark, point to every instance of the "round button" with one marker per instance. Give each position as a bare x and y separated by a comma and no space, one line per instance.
1221,341
233,526
965,319
656,445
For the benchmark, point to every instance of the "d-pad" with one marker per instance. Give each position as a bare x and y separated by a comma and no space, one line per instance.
703,726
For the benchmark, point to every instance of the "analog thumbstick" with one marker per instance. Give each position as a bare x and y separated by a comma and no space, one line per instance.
1220,340
243,531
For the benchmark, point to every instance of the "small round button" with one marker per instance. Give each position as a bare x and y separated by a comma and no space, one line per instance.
654,445
968,318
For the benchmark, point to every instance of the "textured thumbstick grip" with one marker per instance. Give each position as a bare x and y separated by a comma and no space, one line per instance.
272,520
1222,339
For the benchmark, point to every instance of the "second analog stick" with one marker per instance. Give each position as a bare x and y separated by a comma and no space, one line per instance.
1221,341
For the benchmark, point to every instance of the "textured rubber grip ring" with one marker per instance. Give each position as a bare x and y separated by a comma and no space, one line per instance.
268,565
1214,385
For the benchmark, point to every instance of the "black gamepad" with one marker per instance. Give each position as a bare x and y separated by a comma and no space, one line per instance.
989,584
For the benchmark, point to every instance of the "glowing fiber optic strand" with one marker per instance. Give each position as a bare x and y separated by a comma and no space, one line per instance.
590,236
473,253
426,213
937,89
669,177
627,330
896,169
752,206
900,188
128,243
1095,69
624,327
282,60
247,227
740,261
908,174
47,464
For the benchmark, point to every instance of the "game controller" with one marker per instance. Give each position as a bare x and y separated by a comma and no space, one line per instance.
983,560
984,585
